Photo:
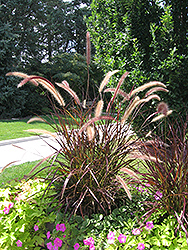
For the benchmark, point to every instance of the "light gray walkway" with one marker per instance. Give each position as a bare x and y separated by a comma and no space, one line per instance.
25,149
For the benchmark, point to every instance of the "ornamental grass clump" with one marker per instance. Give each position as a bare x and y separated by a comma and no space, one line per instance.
90,166
165,160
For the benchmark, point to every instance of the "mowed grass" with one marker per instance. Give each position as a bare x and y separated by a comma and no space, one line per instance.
12,129
16,128
19,171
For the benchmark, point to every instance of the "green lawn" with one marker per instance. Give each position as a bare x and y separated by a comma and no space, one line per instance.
19,171
12,129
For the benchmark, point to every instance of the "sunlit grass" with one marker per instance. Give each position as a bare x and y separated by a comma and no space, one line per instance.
19,171
12,129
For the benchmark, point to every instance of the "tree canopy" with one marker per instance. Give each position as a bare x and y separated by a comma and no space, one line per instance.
32,33
148,38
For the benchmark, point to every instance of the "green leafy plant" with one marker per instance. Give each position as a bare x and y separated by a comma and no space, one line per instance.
23,215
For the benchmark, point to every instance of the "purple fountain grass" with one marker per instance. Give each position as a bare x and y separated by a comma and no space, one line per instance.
106,79
99,108
22,75
93,161
69,90
120,92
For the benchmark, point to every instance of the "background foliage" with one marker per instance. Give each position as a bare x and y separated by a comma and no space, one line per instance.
147,38
32,33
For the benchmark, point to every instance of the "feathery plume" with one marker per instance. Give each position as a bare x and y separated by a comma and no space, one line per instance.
124,186
162,108
65,83
22,75
155,89
147,85
130,109
144,157
95,119
84,104
106,79
88,48
117,89
36,119
120,92
152,97
129,172
161,116
90,133
70,91
46,84
99,108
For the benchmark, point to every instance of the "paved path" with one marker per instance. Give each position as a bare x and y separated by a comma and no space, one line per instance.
25,149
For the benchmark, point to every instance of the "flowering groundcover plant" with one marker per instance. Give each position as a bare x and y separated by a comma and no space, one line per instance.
23,215
24,226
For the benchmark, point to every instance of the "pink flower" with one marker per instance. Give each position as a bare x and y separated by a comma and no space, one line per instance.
147,185
91,247
122,238
55,248
158,195
149,225
64,236
6,210
61,227
111,237
19,243
49,246
48,234
136,231
36,228
140,246
58,227
76,246
58,242
11,204
89,241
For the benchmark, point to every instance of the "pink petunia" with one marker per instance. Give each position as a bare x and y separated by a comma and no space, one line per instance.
11,204
48,234
49,246
122,238
76,246
36,228
136,231
58,242
89,241
149,225
111,237
6,210
58,227
55,248
140,246
158,195
91,247
19,243
62,227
